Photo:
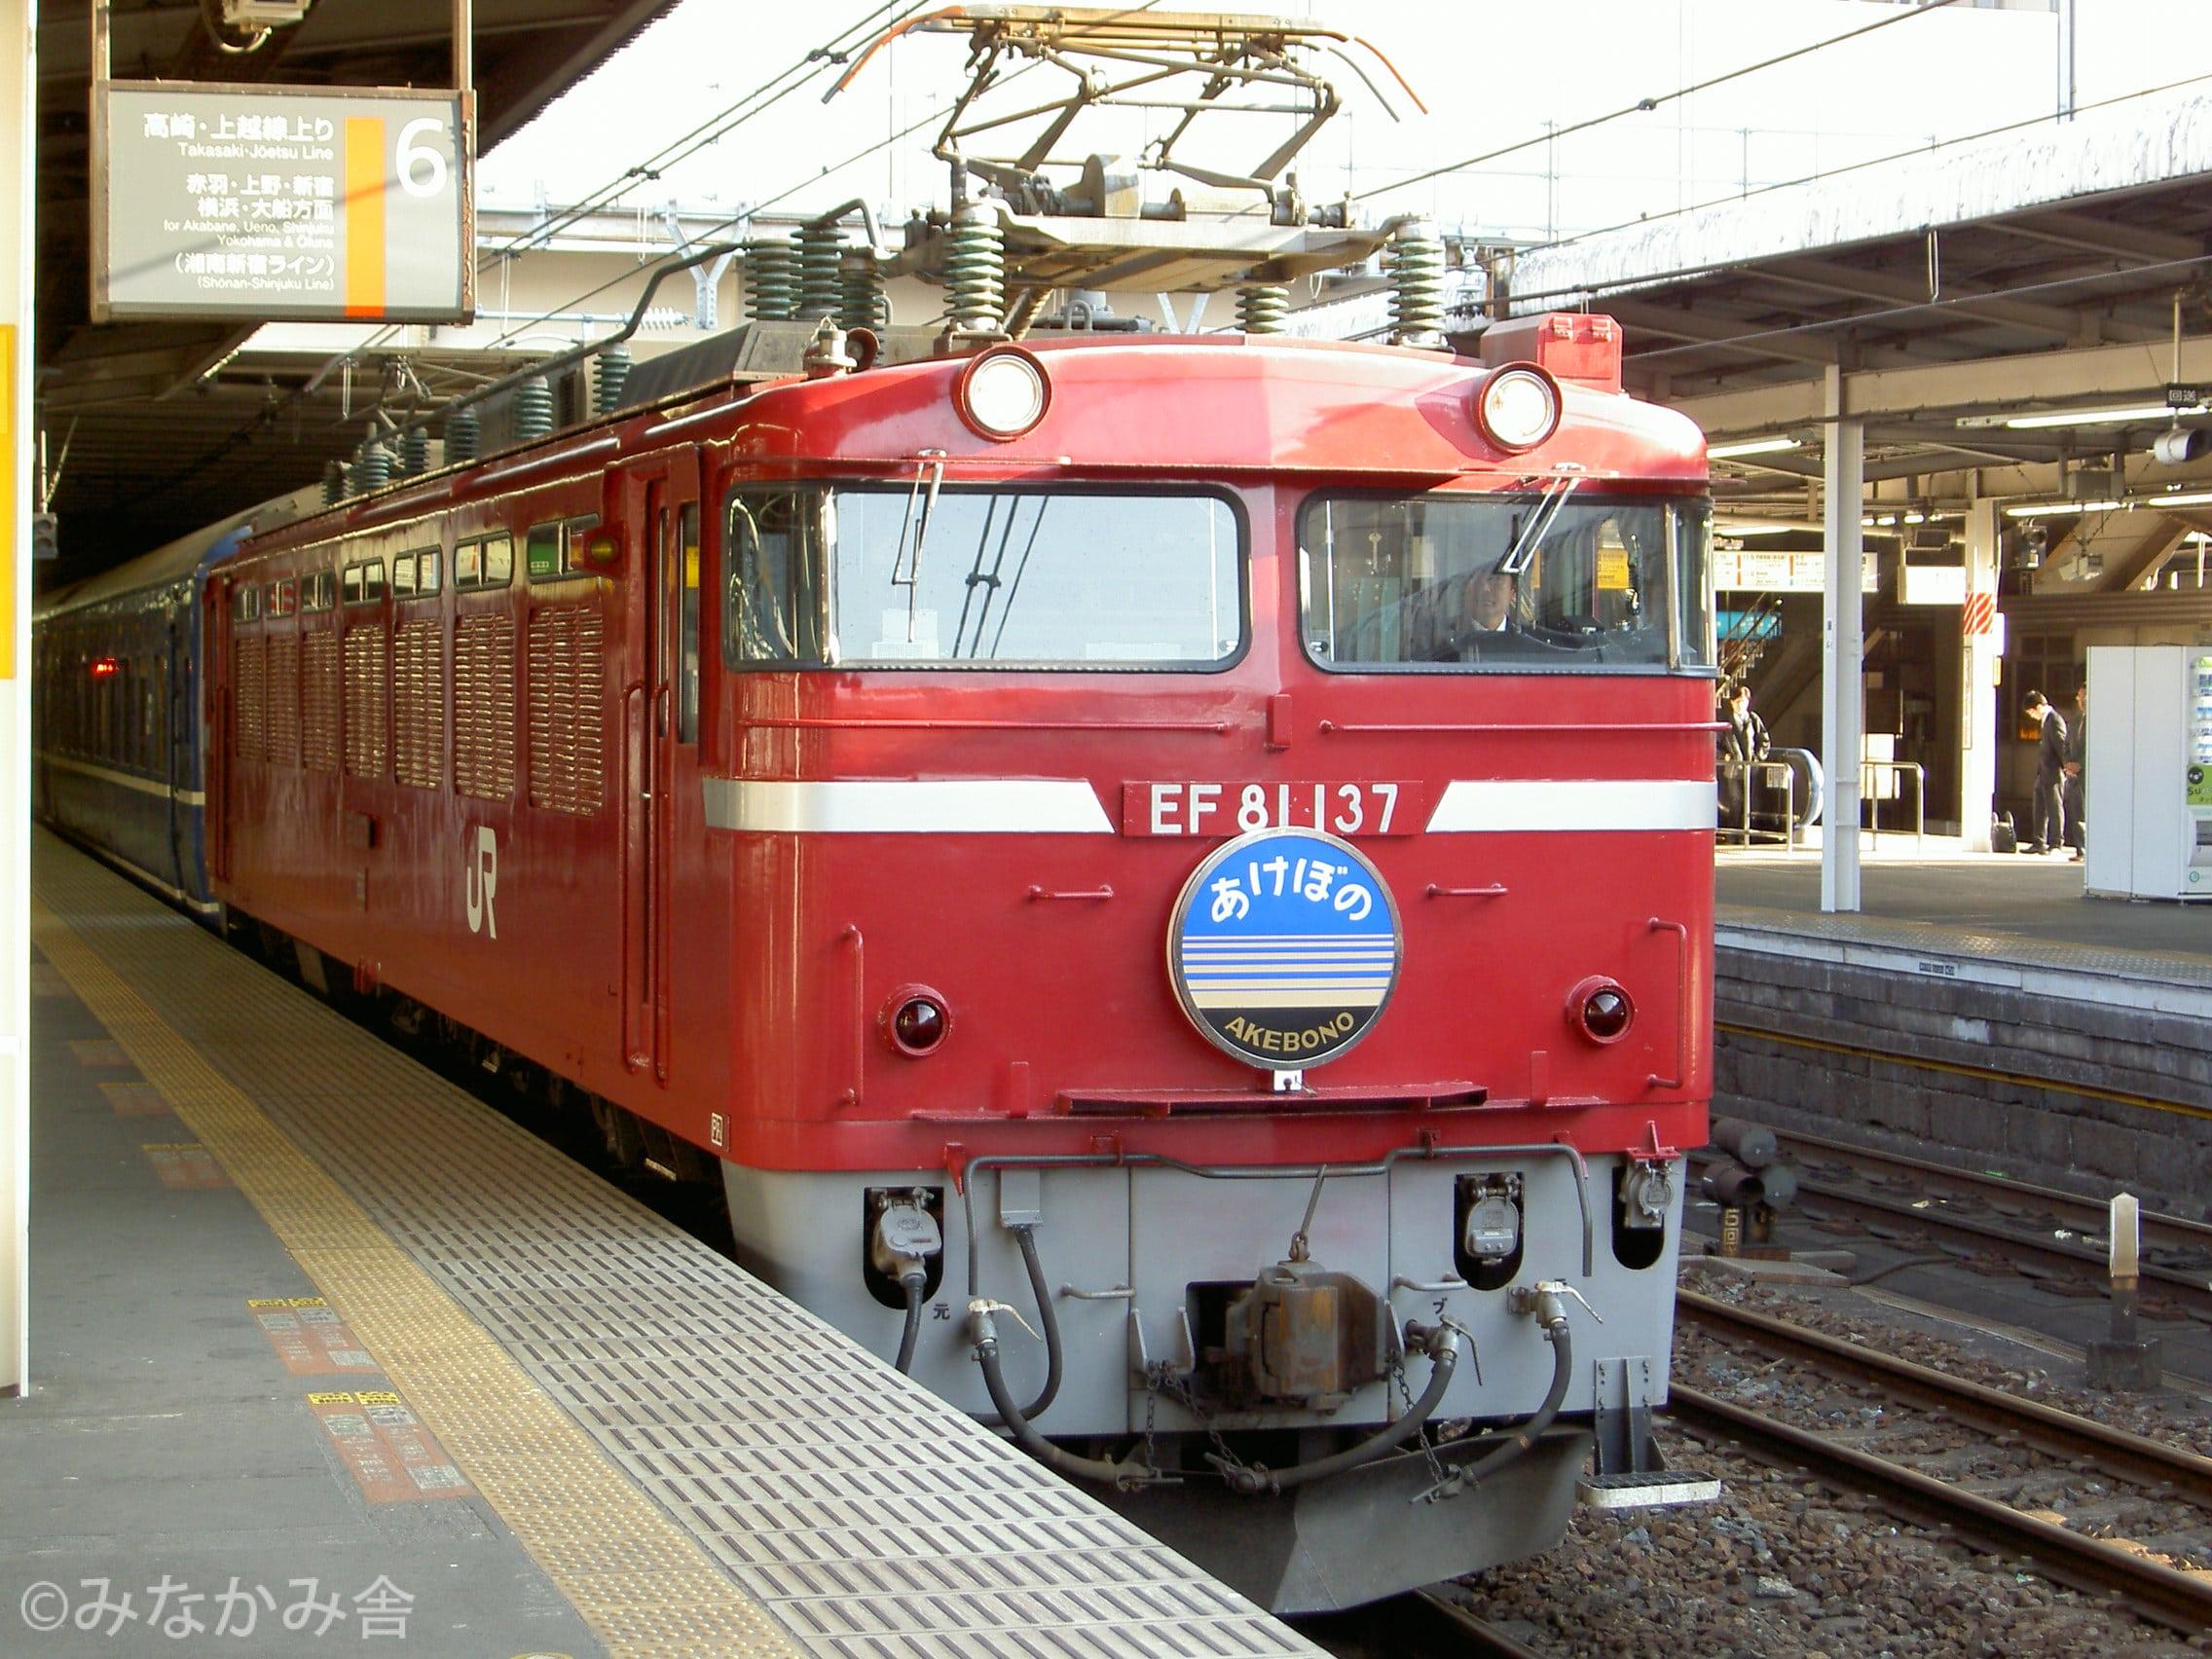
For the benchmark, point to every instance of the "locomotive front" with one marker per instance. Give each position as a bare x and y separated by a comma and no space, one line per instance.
1219,835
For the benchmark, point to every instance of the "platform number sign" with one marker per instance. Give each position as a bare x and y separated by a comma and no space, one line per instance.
298,203
1284,947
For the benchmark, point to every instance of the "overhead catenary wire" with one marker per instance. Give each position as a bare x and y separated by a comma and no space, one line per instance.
1647,105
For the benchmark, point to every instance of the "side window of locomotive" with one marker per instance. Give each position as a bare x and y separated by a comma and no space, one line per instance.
1695,606
486,563
774,597
319,591
363,583
1511,584
687,624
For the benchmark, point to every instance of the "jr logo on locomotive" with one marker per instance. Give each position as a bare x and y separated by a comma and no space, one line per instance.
481,872
1284,947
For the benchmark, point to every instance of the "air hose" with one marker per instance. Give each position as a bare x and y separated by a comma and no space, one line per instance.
1517,1443
985,1333
911,1282
1441,1342
1049,1320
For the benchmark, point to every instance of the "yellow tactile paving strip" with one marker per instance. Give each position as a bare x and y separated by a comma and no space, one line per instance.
643,1585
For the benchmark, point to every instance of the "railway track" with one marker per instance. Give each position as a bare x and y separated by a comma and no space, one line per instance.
1420,1625
2159,1593
2045,1233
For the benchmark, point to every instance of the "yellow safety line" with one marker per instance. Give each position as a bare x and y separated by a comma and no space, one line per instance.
643,1585
1985,1074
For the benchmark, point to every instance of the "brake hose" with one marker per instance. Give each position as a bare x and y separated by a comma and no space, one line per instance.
1049,1320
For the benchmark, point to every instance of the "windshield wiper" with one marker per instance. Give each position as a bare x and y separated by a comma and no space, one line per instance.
930,461
1524,548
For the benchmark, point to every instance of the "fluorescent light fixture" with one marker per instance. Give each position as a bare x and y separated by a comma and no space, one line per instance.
1885,522
1762,526
2195,499
2050,509
2082,417
1750,446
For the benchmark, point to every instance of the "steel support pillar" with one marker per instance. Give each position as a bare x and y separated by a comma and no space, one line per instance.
1978,685
1842,650
17,110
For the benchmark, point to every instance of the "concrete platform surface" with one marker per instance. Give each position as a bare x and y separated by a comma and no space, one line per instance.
2019,895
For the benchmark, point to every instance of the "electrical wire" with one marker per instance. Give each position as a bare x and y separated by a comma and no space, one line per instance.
711,130
1644,105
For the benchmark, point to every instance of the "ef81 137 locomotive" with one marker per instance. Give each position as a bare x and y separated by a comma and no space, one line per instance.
1168,879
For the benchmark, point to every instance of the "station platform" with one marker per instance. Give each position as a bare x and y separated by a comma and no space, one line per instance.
324,1350
1979,1007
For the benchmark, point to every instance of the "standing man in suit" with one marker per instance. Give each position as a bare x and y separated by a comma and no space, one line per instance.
2049,815
2075,792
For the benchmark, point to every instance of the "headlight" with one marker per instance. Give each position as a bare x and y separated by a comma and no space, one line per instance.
1518,407
1002,394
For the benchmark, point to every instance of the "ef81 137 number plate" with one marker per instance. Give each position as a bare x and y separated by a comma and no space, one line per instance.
1352,809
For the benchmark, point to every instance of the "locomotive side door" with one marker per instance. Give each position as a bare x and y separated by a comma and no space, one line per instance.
659,505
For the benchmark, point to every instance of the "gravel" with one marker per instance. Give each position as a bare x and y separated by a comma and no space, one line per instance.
1781,1567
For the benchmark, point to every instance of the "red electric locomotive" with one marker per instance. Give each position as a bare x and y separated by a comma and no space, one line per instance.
1169,878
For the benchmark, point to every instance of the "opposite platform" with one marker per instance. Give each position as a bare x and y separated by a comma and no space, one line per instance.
690,1462
1980,1009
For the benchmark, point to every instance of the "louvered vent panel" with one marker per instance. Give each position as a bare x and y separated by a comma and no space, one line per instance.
368,674
319,701
419,703
284,700
253,698
568,682
483,706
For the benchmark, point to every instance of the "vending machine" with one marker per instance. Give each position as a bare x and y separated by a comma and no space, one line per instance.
2147,772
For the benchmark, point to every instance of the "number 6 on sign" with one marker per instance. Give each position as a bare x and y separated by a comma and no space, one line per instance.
421,169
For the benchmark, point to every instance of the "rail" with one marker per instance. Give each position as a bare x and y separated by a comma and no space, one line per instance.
1772,774
1869,771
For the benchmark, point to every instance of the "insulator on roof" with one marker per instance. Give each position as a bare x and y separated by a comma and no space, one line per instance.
413,452
462,432
333,483
372,469
771,277
533,409
1414,260
866,305
609,380
820,281
976,271
1261,307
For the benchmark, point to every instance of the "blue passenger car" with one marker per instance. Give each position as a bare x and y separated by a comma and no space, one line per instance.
118,745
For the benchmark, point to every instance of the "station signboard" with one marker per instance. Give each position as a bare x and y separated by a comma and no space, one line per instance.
305,203
1737,570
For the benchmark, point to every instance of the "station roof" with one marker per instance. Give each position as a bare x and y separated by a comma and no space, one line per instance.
2032,270
154,450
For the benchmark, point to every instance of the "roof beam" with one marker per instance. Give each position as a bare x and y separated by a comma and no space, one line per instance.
1851,281
1704,329
2093,234
1988,384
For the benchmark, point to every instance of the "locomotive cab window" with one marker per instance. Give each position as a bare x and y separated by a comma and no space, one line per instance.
1523,582
958,577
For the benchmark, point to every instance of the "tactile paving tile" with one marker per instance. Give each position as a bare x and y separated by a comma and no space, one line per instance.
798,1461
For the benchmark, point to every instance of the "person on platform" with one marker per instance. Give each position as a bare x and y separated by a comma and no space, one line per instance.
1744,744
2049,807
2073,795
